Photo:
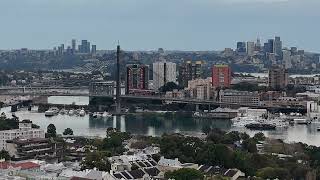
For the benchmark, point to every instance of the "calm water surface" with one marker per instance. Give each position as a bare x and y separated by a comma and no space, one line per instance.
153,125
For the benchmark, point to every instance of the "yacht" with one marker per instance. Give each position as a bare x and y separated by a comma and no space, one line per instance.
82,113
106,114
63,111
52,112
71,112
97,114
301,121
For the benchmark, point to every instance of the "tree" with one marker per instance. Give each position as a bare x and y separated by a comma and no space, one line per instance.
259,137
170,86
4,155
68,131
273,173
184,174
51,131
97,160
250,145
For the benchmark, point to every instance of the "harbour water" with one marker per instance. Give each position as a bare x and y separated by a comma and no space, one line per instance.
154,125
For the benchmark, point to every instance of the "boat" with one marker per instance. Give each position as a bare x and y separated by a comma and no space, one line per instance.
82,112
97,114
301,121
219,113
106,114
51,112
261,126
318,128
71,112
63,111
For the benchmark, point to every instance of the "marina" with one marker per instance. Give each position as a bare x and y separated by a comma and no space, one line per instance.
156,124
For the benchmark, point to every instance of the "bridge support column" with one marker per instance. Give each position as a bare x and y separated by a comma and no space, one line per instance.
197,108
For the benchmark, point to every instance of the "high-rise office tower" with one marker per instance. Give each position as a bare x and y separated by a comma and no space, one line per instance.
164,72
241,47
277,47
278,77
73,45
258,45
137,77
250,48
221,76
189,70
85,46
286,59
93,49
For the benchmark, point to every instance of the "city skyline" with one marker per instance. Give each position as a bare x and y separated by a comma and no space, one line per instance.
144,25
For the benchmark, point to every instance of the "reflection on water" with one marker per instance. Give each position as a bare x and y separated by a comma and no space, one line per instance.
156,125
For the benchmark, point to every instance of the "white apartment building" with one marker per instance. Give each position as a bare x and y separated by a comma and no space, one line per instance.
25,131
164,72
286,56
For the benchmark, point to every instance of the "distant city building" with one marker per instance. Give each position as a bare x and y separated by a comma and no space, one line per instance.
277,46
250,48
286,59
84,47
164,72
258,45
25,131
137,77
189,70
93,49
160,50
74,45
239,97
200,89
294,50
228,52
221,76
269,46
278,77
105,88
241,47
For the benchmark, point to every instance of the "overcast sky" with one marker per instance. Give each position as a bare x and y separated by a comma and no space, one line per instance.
149,24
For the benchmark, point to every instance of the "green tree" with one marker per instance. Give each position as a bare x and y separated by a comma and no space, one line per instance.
97,160
4,155
259,136
68,131
184,174
170,86
273,173
250,145
51,131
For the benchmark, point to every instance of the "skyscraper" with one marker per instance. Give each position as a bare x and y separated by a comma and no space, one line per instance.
188,71
137,77
93,49
85,46
221,76
277,47
250,48
286,59
73,45
163,72
241,47
278,77
268,47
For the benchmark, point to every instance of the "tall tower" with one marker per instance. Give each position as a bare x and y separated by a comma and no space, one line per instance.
118,105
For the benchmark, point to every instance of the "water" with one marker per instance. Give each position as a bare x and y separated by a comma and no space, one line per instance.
155,125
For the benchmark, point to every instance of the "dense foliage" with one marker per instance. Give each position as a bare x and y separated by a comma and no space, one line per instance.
51,131
68,131
238,150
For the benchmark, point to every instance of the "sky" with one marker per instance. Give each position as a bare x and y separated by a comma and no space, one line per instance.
150,24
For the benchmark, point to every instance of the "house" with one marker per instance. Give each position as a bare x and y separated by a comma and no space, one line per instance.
212,171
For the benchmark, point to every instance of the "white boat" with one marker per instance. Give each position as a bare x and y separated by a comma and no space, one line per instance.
63,111
71,112
106,114
52,112
97,114
301,121
82,112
